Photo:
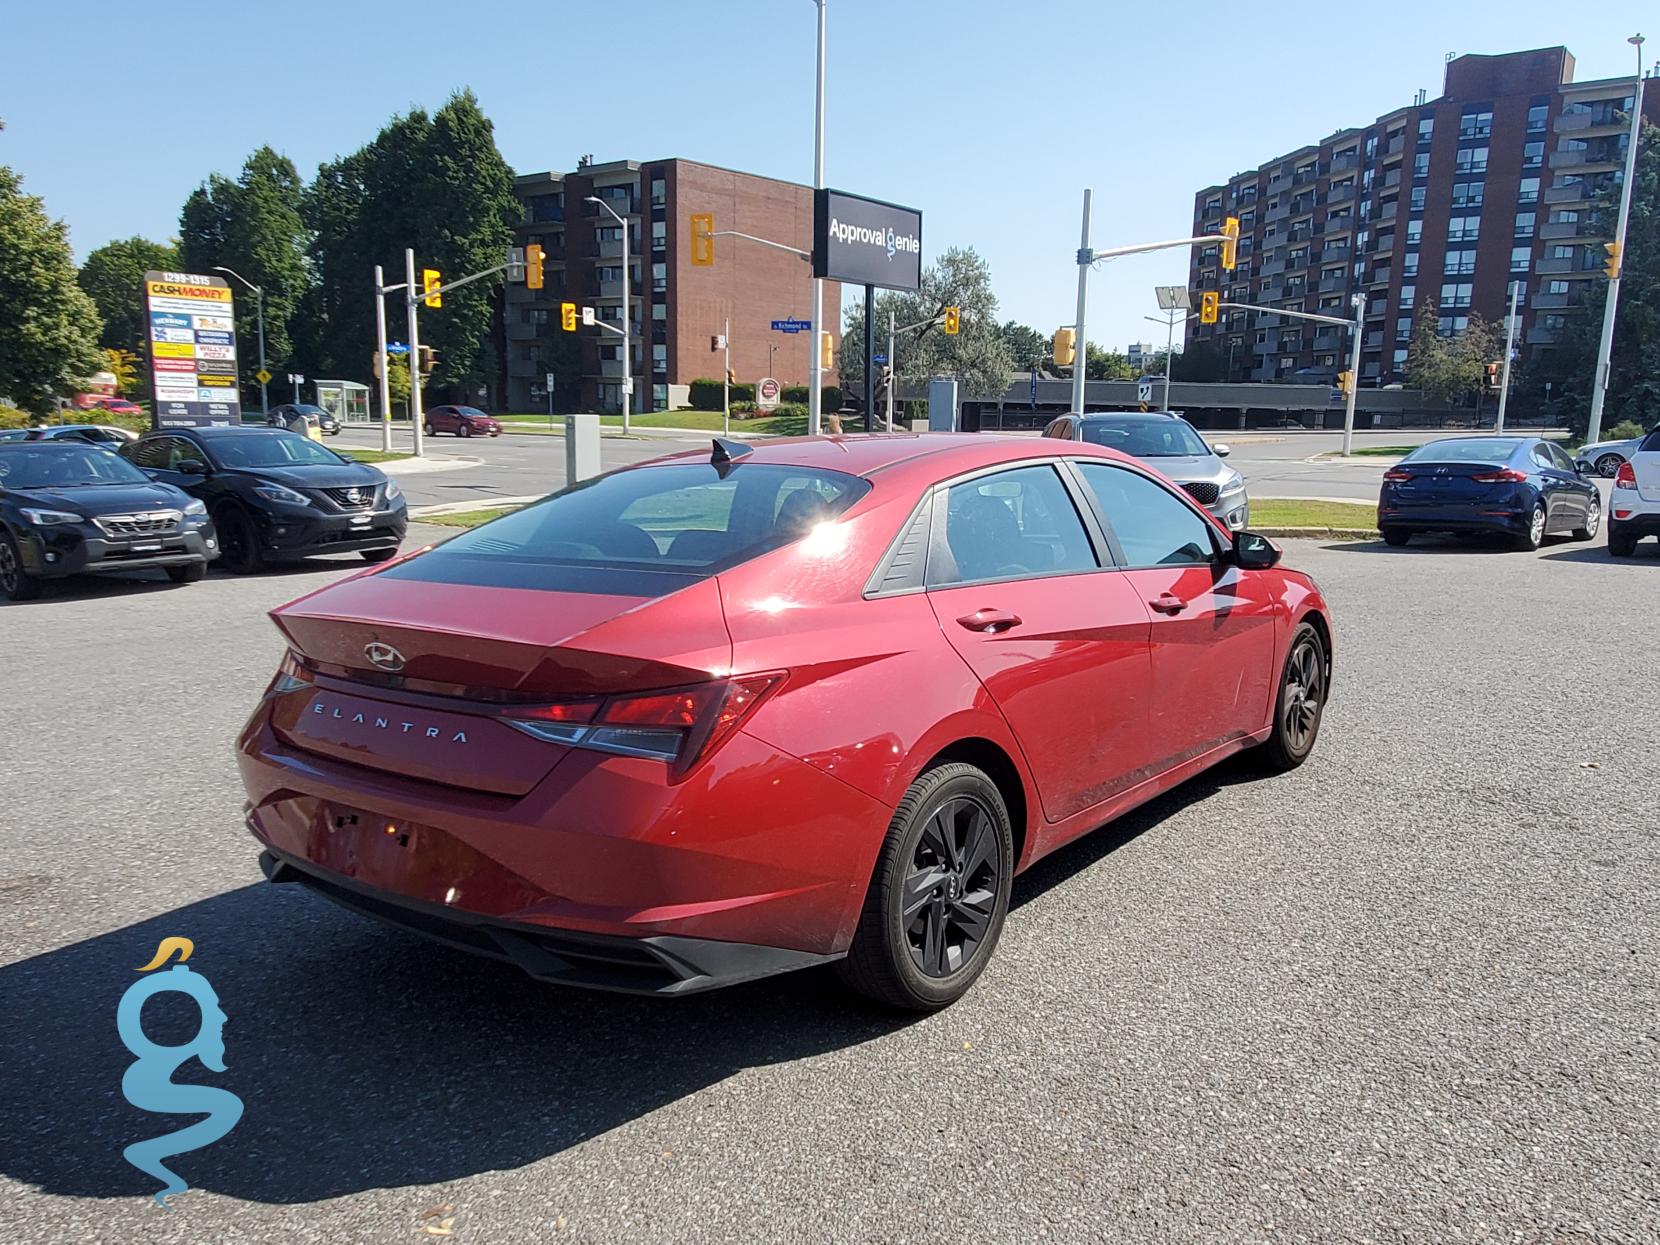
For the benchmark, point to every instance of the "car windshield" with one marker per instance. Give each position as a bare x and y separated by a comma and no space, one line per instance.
644,531
1464,450
274,449
472,412
1144,436
52,465
307,409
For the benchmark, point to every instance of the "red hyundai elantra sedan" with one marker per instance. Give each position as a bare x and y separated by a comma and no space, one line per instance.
726,714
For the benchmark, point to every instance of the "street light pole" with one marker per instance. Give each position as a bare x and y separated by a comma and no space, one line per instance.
1605,351
893,365
412,300
385,362
628,340
1509,349
815,396
1358,302
1081,343
259,312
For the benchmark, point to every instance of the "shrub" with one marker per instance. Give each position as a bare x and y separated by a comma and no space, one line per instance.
705,394
1626,431
832,395
11,417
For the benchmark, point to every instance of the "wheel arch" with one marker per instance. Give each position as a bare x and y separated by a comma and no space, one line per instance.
991,758
1322,628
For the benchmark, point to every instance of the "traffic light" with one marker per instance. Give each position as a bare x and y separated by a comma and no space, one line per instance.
731,377
1611,269
826,350
430,281
1345,383
953,320
1064,348
1230,242
703,244
567,317
429,356
1209,303
533,266
1492,375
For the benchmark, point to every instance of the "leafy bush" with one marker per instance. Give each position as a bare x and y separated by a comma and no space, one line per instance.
11,417
1629,430
706,394
832,395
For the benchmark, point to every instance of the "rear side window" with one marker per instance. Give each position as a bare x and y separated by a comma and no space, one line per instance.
1651,443
1153,527
1017,524
642,532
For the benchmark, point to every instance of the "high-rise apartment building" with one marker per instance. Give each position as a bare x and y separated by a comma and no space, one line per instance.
677,308
1446,201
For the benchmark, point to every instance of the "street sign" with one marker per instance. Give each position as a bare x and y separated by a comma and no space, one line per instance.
550,382
1034,389
588,316
792,325
878,358
397,347
1144,391
628,385
262,376
193,351
1172,297
866,241
766,393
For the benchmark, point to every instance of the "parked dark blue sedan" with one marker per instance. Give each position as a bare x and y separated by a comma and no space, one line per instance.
1523,487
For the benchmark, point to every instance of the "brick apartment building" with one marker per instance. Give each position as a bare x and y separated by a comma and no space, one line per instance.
676,308
1447,200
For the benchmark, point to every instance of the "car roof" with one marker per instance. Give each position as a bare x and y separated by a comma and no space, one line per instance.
221,431
50,446
1129,415
938,454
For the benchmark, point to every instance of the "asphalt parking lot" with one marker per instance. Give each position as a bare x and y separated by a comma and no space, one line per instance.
1406,993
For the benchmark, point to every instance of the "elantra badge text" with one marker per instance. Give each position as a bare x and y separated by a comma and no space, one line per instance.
323,710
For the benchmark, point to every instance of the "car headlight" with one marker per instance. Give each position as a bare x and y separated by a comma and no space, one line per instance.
49,518
393,492
276,492
195,506
1233,482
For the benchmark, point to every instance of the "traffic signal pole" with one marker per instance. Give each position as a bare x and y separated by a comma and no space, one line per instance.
385,362
1605,347
411,302
1509,349
1354,326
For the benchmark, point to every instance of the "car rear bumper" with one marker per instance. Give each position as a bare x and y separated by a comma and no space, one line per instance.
763,855
298,536
1480,517
1642,519
51,553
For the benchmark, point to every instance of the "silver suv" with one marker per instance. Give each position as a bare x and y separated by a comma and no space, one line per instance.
1167,442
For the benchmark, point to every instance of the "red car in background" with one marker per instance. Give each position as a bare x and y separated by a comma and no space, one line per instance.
463,421
726,714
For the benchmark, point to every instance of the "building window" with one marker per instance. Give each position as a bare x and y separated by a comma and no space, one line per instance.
1414,232
610,354
1455,295
659,311
1403,328
1524,224
659,278
1537,116
1533,155
1452,326
1408,293
1520,258
1409,264
1426,129
659,235
1476,124
1468,194
1416,202
609,233
659,358
659,192
1471,160
1420,164
1554,322
1463,228
659,397
1459,263
547,207
1556,287
536,316
1528,191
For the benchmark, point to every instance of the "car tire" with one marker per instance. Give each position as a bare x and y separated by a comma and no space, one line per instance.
1608,466
426,429
466,430
1297,710
189,573
377,555
1396,536
1621,544
970,852
239,549
1592,525
1531,539
15,582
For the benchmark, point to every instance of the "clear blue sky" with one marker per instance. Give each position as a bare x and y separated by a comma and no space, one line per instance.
989,115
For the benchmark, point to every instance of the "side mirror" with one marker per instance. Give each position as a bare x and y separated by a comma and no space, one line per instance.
192,467
1252,552
1221,451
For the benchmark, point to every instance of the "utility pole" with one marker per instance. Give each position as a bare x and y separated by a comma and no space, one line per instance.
815,396
893,366
1605,351
413,302
1509,349
1079,360
726,375
259,312
1358,302
628,338
385,362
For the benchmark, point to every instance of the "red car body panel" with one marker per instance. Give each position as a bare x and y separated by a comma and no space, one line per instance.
1096,702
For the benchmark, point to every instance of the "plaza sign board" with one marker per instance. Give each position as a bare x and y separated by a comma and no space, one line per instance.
192,349
865,241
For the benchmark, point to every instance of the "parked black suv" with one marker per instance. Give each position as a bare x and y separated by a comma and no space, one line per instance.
277,496
67,508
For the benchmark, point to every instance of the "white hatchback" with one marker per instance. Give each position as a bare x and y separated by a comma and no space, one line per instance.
1634,505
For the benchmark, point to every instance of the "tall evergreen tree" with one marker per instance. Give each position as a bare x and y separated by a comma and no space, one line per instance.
113,276
48,326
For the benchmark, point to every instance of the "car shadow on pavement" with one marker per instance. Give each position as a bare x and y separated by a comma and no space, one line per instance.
1647,552
1430,543
366,1058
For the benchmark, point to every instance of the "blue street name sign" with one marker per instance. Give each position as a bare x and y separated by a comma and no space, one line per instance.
792,325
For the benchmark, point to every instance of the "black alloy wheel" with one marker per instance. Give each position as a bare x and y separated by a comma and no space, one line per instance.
238,542
15,582
939,895
1608,466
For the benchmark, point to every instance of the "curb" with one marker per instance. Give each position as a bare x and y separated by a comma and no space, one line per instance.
476,503
1318,533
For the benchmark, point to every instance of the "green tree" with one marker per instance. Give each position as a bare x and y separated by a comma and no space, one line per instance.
124,366
1103,364
978,356
253,225
113,276
397,380
1200,361
1028,348
48,326
1454,367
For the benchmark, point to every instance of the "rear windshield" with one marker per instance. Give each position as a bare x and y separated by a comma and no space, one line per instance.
1143,437
1464,450
642,532
272,449
53,466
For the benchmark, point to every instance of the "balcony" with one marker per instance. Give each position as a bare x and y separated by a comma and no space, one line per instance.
1272,268
1278,212
1590,122
1553,265
611,289
1380,276
1386,211
1573,192
1211,212
1305,177
519,331
1340,194
1391,178
1560,229
1332,285
611,368
1394,147
1591,158
1273,293
1552,302
1327,339
1344,163
1374,340
1539,335
1338,224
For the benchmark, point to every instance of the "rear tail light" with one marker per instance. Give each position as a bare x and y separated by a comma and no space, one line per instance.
681,726
293,674
1626,476
1397,475
1504,475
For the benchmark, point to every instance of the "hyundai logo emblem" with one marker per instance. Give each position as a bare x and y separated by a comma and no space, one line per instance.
384,656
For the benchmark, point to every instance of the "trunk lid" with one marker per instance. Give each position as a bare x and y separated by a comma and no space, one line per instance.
1434,484
1646,465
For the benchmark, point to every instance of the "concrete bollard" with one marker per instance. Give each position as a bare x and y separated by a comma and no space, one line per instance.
581,448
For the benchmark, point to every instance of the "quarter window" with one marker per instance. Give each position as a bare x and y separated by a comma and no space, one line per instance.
1016,524
1153,528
